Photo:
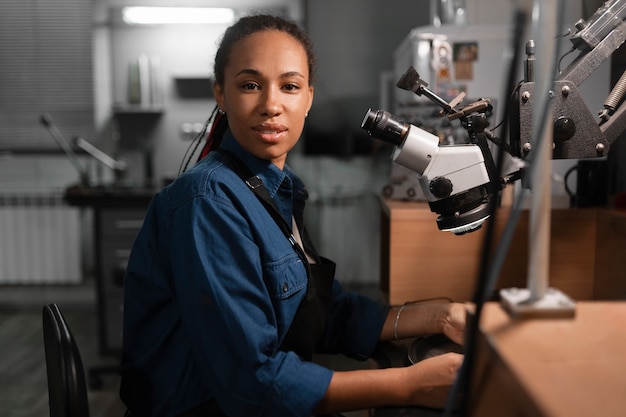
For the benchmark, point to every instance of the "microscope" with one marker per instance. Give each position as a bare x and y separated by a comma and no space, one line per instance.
458,180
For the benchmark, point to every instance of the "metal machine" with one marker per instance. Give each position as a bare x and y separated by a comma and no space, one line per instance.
577,132
458,180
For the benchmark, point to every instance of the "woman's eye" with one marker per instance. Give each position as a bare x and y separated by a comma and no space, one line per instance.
291,87
249,86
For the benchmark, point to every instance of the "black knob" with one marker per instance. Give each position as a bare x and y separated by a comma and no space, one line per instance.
440,187
564,129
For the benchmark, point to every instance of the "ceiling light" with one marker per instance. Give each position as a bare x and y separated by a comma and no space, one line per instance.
177,15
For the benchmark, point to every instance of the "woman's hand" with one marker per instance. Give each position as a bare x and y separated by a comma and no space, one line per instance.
429,381
454,322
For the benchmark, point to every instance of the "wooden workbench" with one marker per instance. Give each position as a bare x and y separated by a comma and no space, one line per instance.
572,367
418,261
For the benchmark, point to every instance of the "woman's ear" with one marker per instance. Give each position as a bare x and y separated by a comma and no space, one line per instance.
311,94
218,94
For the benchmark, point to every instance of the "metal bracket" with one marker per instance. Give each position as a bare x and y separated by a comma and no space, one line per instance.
553,304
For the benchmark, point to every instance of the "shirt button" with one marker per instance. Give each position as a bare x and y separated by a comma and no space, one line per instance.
285,287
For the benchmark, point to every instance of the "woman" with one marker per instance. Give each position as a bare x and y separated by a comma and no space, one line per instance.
226,298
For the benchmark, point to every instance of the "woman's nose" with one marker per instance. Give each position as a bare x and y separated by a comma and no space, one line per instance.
270,102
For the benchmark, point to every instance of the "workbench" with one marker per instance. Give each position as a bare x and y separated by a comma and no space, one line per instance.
418,261
551,367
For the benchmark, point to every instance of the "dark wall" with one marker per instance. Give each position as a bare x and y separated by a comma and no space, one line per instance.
355,41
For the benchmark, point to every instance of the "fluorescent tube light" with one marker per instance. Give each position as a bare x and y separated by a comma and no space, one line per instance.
177,15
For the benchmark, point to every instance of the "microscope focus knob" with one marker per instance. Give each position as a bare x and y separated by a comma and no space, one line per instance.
564,129
440,187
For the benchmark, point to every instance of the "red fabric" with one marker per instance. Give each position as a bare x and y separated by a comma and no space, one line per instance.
209,140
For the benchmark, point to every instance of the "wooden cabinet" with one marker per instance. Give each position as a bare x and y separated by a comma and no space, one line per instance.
419,261
610,268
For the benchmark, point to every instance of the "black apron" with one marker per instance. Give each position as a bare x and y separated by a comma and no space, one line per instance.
306,330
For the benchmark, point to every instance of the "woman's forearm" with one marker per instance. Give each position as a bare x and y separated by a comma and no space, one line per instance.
411,320
363,389
426,383
424,318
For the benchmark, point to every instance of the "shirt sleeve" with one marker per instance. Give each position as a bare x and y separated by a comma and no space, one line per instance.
231,317
354,325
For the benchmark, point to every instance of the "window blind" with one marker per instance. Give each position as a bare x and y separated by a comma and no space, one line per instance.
45,67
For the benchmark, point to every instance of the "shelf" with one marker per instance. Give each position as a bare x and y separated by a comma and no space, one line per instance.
134,109
194,87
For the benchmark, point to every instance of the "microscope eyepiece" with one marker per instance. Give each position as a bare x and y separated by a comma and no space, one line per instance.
383,126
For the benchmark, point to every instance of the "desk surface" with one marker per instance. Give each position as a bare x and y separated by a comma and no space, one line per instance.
565,367
108,196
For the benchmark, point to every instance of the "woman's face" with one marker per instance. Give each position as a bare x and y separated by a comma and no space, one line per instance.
266,94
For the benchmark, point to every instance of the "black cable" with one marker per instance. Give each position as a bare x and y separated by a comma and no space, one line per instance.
462,383
564,55
509,230
488,276
511,97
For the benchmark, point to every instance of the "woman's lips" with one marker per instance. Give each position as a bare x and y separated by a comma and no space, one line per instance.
270,133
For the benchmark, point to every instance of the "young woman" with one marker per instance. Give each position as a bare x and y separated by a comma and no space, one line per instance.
226,299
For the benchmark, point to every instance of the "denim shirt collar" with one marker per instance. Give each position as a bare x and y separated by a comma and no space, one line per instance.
272,176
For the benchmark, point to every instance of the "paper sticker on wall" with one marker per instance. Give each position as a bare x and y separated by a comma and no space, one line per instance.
441,60
465,53
464,70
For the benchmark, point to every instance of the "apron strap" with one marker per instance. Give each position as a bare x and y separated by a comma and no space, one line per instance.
258,188
305,332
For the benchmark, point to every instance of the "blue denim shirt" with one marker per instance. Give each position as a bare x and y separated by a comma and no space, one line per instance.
211,288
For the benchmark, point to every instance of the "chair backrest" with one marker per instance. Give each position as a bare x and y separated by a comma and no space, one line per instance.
67,387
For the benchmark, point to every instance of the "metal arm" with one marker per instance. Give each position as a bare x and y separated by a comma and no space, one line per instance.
106,160
577,132
118,167
48,123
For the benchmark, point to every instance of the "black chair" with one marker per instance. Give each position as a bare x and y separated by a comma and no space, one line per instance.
67,388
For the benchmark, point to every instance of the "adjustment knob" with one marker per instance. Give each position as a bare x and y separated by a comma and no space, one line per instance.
440,187
564,129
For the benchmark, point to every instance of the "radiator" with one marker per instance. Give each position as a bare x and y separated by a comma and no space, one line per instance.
39,239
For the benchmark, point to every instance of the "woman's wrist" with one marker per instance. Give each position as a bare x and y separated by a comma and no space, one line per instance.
417,318
443,318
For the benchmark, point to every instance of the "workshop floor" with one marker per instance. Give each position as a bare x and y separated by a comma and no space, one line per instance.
23,384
